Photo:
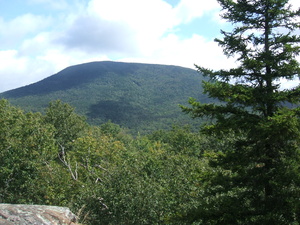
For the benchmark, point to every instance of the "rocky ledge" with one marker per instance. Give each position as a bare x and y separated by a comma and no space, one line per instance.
11,214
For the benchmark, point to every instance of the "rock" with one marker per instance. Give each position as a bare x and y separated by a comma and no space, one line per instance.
11,214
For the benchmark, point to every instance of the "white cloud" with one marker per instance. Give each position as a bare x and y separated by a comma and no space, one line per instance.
195,50
36,45
14,70
137,13
17,29
295,3
91,34
146,20
188,10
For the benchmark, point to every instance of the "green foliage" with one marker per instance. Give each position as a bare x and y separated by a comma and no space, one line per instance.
68,125
149,186
182,140
255,180
104,175
26,145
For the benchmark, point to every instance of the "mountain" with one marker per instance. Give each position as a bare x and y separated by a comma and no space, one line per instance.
141,97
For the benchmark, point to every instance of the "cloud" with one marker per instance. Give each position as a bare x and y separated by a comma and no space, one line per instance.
92,34
146,20
17,70
295,3
187,10
17,29
146,15
171,50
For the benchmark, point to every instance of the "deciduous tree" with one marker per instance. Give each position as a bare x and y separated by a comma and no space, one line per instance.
26,146
68,125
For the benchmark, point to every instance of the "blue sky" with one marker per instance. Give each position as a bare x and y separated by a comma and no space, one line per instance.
41,37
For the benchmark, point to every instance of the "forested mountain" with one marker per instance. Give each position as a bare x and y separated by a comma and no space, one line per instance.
141,97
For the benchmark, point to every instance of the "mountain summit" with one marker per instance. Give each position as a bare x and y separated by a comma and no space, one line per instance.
141,97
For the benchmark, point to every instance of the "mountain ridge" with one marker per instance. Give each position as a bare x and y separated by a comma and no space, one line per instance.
134,95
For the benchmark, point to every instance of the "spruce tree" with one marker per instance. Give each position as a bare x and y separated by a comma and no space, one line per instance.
256,180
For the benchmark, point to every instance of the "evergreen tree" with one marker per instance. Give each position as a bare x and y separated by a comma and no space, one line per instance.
256,181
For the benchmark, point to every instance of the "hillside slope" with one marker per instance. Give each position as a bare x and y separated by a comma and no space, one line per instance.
141,97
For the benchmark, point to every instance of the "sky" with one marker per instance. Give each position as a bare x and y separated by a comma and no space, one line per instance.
39,38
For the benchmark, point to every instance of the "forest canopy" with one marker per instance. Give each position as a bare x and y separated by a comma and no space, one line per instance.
102,173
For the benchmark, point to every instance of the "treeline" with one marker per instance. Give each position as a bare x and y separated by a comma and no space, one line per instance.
105,175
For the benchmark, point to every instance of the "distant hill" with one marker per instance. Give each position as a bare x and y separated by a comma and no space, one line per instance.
141,97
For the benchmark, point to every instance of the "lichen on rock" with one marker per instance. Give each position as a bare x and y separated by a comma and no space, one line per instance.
11,214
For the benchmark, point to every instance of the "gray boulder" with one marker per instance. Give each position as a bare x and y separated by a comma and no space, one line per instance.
11,214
